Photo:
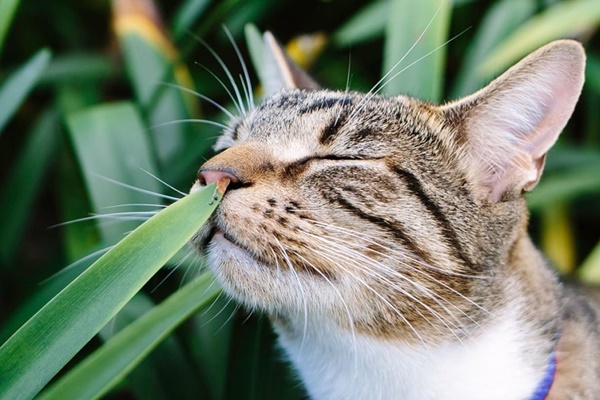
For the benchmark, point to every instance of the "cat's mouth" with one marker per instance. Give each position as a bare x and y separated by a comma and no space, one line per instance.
219,236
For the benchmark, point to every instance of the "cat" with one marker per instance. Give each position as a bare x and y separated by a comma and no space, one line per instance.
386,237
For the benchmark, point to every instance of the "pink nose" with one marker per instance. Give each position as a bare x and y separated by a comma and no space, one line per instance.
207,177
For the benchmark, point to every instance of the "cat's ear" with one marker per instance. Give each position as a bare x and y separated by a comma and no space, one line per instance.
509,126
281,71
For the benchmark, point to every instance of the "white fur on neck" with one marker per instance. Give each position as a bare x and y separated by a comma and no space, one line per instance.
495,365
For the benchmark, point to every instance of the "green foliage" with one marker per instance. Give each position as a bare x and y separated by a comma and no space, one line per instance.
106,110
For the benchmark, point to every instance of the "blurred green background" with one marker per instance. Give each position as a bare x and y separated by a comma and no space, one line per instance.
88,96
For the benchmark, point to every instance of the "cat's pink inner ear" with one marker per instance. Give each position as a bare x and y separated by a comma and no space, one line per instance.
280,71
512,123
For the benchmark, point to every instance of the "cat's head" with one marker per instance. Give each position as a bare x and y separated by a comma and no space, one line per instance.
386,214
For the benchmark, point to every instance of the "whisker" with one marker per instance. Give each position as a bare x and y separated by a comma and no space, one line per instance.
342,251
172,271
303,295
203,97
248,86
225,87
134,205
137,189
345,305
227,72
375,89
420,58
385,301
231,315
97,253
164,183
417,270
121,216
188,120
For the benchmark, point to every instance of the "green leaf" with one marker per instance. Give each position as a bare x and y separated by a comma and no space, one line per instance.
16,87
366,24
501,19
256,48
209,350
7,11
41,347
100,371
152,63
110,142
74,68
167,372
563,19
24,182
414,54
589,271
186,15
565,186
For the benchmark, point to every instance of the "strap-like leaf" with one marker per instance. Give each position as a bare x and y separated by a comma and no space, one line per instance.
41,347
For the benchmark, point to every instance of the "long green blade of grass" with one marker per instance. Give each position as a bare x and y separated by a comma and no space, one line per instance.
501,19
41,347
414,53
99,372
7,11
563,19
110,143
14,90
366,24
154,68
23,183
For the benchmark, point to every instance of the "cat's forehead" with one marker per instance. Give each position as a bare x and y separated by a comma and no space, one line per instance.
299,123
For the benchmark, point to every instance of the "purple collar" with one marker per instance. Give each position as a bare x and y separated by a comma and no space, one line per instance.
543,388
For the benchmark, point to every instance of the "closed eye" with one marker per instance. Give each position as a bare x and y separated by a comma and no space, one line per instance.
299,165
331,157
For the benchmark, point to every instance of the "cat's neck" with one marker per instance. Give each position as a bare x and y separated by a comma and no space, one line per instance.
505,358
498,363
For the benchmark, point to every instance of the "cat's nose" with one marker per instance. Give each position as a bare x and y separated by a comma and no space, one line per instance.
209,176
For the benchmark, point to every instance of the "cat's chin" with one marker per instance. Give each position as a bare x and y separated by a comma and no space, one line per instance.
240,274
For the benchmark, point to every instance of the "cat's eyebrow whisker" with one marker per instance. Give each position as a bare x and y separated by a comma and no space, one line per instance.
379,85
227,72
248,86
226,88
419,59
339,114
203,97
376,87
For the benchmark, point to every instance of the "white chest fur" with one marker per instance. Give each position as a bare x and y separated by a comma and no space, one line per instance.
334,364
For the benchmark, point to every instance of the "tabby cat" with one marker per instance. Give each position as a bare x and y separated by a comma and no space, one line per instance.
386,237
